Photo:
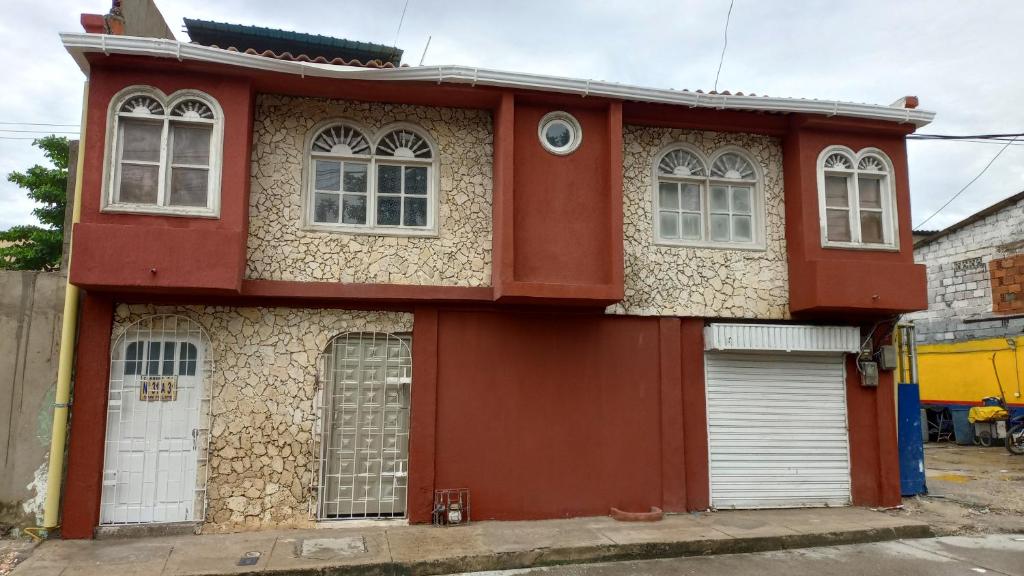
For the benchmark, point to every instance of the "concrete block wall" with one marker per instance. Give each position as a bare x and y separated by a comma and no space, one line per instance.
31,308
960,283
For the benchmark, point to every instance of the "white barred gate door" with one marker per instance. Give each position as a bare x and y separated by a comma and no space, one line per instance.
156,424
365,418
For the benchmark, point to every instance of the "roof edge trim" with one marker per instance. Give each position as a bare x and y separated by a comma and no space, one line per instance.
79,44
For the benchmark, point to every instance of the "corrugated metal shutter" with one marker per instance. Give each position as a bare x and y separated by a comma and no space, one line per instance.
777,430
782,337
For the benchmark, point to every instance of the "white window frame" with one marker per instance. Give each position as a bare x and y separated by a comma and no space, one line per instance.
570,122
704,184
890,222
115,149
372,161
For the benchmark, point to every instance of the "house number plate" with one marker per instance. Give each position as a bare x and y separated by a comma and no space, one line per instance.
158,389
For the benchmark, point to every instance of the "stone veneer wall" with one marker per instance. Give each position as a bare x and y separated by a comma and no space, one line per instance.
679,281
280,248
263,377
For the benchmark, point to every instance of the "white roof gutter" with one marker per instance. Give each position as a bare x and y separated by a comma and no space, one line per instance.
79,44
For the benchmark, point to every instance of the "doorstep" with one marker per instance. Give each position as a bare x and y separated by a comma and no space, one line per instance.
426,550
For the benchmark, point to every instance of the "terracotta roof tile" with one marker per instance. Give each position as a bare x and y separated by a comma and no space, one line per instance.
305,58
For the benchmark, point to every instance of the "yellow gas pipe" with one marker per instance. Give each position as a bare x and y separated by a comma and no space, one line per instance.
58,436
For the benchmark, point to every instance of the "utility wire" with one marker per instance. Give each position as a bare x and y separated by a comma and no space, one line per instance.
973,180
725,45
37,124
961,137
400,20
40,131
969,141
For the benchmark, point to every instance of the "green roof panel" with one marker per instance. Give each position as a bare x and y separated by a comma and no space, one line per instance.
242,37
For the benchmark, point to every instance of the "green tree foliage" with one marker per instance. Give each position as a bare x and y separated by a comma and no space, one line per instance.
39,247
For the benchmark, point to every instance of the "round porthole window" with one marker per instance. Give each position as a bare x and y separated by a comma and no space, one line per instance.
559,133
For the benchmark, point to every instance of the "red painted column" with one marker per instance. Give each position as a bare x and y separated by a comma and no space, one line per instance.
673,449
503,205
695,423
888,446
861,420
84,477
423,415
615,152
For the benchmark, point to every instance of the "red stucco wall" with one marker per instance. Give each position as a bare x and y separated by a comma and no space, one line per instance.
82,485
121,251
549,416
558,219
843,281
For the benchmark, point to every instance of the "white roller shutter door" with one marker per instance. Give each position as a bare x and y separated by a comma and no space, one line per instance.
777,430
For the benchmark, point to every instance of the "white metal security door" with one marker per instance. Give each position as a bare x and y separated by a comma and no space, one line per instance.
777,432
365,416
157,409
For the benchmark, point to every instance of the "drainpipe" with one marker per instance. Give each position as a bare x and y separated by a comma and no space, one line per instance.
69,327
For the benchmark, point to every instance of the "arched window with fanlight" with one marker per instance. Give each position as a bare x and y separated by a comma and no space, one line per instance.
856,200
711,202
380,183
165,153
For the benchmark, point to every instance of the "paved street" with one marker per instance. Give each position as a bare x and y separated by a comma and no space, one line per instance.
972,490
953,555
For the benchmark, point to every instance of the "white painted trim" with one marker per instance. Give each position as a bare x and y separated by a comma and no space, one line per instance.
890,216
372,160
79,44
781,338
111,173
758,210
567,119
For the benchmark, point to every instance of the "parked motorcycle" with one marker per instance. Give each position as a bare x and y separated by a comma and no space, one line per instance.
1015,433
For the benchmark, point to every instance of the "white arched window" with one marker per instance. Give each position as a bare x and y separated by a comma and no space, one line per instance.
164,153
383,183
714,203
856,200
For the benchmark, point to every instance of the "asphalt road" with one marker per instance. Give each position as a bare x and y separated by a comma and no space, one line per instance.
1001,554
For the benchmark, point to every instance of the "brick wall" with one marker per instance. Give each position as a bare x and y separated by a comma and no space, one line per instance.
1007,278
960,279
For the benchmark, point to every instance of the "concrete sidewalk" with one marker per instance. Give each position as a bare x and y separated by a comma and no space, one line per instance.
423,550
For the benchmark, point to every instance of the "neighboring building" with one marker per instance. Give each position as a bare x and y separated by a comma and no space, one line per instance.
970,337
320,288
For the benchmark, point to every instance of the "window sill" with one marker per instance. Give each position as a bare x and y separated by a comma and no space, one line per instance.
373,231
757,247
864,247
177,212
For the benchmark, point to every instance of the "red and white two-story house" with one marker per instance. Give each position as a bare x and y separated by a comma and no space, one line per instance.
317,289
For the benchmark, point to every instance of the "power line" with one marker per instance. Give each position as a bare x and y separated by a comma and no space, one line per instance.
983,170
962,137
400,20
40,131
37,124
725,44
968,141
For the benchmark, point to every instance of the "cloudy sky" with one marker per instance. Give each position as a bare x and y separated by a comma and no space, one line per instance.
960,58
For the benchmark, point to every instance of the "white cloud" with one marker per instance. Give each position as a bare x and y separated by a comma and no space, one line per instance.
959,57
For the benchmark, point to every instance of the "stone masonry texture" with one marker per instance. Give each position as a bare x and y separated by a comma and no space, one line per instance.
280,248
262,381
960,266
708,282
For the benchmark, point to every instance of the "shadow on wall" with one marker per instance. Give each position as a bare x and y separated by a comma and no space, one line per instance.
31,307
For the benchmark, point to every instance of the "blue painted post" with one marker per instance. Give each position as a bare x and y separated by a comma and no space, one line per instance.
911,444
